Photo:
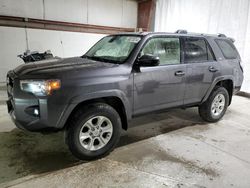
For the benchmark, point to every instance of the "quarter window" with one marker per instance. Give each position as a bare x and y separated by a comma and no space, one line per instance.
167,49
197,50
227,48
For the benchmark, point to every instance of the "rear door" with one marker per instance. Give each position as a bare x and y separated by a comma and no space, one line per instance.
202,68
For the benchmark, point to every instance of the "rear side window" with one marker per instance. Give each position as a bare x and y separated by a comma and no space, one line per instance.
227,48
197,50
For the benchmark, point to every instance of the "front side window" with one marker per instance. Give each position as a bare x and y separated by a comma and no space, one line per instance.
227,48
115,48
197,50
167,49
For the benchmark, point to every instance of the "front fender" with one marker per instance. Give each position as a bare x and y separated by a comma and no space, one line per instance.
90,96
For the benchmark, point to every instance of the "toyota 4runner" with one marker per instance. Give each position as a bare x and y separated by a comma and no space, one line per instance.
93,97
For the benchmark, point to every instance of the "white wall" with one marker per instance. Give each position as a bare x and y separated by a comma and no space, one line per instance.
117,13
231,17
63,44
13,41
246,58
22,8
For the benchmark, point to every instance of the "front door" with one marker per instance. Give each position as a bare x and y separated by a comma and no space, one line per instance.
161,86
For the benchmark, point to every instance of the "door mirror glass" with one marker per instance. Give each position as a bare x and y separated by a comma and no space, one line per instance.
148,60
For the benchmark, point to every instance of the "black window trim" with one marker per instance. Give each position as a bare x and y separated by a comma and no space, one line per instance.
207,47
211,50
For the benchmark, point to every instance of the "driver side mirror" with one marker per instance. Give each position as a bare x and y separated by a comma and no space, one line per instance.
148,61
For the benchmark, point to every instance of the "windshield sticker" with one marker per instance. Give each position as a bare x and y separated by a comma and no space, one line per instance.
133,39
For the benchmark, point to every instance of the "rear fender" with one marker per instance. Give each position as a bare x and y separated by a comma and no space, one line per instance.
218,79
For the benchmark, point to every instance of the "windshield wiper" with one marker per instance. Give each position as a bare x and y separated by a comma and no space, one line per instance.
85,56
102,59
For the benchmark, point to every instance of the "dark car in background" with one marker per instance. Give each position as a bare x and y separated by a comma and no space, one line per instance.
93,97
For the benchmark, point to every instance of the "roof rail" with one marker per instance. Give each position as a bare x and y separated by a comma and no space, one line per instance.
232,40
221,35
180,31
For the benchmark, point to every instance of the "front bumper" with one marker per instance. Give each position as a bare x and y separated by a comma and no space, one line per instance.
26,120
33,113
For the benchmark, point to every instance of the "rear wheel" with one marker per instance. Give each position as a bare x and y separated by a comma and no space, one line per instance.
94,132
216,105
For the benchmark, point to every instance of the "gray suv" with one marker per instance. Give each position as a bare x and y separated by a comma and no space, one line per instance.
93,97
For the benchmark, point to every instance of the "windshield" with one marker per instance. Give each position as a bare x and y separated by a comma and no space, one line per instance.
113,49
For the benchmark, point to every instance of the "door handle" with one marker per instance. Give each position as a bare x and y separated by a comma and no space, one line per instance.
212,69
179,73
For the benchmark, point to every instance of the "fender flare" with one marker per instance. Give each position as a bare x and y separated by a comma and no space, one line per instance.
216,80
91,96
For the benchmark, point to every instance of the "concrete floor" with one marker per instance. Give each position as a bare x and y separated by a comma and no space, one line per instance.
172,149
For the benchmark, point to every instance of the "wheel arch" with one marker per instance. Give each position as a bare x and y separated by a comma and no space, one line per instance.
228,85
116,99
226,82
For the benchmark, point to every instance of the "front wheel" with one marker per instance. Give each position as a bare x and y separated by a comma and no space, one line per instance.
94,132
216,105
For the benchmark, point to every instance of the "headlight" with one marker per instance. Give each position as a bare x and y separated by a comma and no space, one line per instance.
40,87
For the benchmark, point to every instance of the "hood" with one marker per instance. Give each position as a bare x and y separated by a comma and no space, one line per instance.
57,66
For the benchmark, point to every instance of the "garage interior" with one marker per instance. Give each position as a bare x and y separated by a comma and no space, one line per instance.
170,149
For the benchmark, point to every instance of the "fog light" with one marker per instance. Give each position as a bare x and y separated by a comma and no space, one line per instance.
36,112
33,111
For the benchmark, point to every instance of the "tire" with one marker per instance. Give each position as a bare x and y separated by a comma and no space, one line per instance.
207,110
88,123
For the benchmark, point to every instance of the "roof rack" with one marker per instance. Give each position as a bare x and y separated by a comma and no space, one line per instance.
221,35
180,31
